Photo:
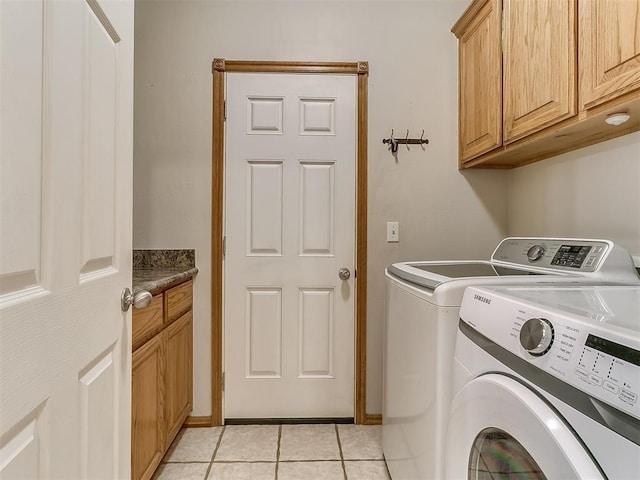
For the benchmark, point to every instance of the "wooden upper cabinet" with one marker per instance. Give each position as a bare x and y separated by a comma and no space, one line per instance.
539,65
609,36
530,90
480,84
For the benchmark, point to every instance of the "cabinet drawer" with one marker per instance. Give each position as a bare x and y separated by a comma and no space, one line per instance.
179,300
147,321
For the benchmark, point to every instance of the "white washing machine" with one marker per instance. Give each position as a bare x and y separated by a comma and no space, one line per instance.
547,384
421,320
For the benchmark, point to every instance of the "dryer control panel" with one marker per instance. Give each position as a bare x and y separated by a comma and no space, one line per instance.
605,369
609,365
589,337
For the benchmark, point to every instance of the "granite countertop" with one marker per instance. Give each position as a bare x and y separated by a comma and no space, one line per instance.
158,270
155,280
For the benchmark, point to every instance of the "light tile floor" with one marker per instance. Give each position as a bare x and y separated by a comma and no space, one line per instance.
276,452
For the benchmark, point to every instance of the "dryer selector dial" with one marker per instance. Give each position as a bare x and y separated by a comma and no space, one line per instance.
536,252
536,336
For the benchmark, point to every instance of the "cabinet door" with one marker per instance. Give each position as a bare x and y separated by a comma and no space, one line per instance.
480,73
179,373
539,65
147,426
609,33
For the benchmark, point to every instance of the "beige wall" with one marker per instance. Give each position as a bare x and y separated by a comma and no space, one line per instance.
413,85
591,193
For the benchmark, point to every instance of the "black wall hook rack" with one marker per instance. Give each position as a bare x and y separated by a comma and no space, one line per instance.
394,142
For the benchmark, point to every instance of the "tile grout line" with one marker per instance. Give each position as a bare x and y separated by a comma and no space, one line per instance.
278,450
344,470
311,460
215,451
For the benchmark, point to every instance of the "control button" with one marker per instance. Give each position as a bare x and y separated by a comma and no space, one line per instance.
590,262
628,396
535,253
596,380
536,336
582,373
610,387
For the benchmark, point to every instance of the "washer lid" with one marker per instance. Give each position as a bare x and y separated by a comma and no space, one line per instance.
465,270
433,274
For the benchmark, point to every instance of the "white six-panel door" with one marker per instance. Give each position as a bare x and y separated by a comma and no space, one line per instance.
66,97
290,227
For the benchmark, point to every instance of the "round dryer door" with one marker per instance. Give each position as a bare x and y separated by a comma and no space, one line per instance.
498,428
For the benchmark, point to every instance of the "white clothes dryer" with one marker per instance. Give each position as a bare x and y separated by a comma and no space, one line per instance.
421,321
547,383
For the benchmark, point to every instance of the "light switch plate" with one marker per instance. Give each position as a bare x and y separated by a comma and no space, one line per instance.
393,232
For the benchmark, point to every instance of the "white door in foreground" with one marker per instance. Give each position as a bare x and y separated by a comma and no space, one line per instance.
66,98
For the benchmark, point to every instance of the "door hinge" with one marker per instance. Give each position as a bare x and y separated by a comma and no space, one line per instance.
225,110
223,378
224,246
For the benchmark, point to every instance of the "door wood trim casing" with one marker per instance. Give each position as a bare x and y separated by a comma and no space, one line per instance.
219,67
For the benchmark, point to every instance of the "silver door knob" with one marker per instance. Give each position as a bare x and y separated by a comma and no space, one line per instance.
141,299
344,274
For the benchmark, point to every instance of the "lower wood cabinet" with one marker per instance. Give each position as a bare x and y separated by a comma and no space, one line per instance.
162,378
147,408
179,374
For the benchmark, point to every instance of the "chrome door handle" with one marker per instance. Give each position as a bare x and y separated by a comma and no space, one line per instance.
141,299
344,274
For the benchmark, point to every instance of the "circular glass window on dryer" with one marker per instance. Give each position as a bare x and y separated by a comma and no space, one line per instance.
497,455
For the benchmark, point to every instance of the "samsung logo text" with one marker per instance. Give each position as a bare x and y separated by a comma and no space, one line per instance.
482,299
